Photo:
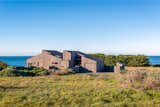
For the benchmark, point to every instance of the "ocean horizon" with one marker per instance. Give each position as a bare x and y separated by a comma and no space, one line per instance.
21,60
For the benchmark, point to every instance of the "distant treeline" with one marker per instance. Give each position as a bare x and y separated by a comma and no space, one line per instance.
128,60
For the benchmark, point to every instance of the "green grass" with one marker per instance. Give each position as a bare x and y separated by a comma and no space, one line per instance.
79,90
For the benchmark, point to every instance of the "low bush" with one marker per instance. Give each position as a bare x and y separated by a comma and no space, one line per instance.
3,65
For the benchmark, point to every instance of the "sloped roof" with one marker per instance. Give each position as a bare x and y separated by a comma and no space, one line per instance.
54,53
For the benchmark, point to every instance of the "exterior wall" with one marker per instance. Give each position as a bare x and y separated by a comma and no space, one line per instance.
92,65
44,60
89,64
66,56
70,57
65,64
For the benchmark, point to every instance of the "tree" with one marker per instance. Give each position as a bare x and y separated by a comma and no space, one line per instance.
99,55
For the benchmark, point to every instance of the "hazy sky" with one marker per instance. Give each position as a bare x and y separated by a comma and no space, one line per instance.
109,26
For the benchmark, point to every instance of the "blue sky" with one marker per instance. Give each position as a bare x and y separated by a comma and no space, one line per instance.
108,26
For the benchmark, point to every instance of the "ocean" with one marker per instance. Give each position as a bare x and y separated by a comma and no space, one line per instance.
21,60
14,60
154,60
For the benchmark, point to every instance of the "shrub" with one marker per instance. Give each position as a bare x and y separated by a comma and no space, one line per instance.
138,60
3,65
39,71
9,71
12,71
110,60
157,65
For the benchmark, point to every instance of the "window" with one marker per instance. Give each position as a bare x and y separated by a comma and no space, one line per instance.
54,62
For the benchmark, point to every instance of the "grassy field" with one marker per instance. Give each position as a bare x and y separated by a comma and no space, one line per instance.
79,90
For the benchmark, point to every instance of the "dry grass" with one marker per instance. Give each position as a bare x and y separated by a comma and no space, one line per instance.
140,80
143,68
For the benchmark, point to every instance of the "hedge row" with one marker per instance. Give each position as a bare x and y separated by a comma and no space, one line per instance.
128,60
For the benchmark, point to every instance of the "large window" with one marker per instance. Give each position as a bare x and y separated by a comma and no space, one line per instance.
38,64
